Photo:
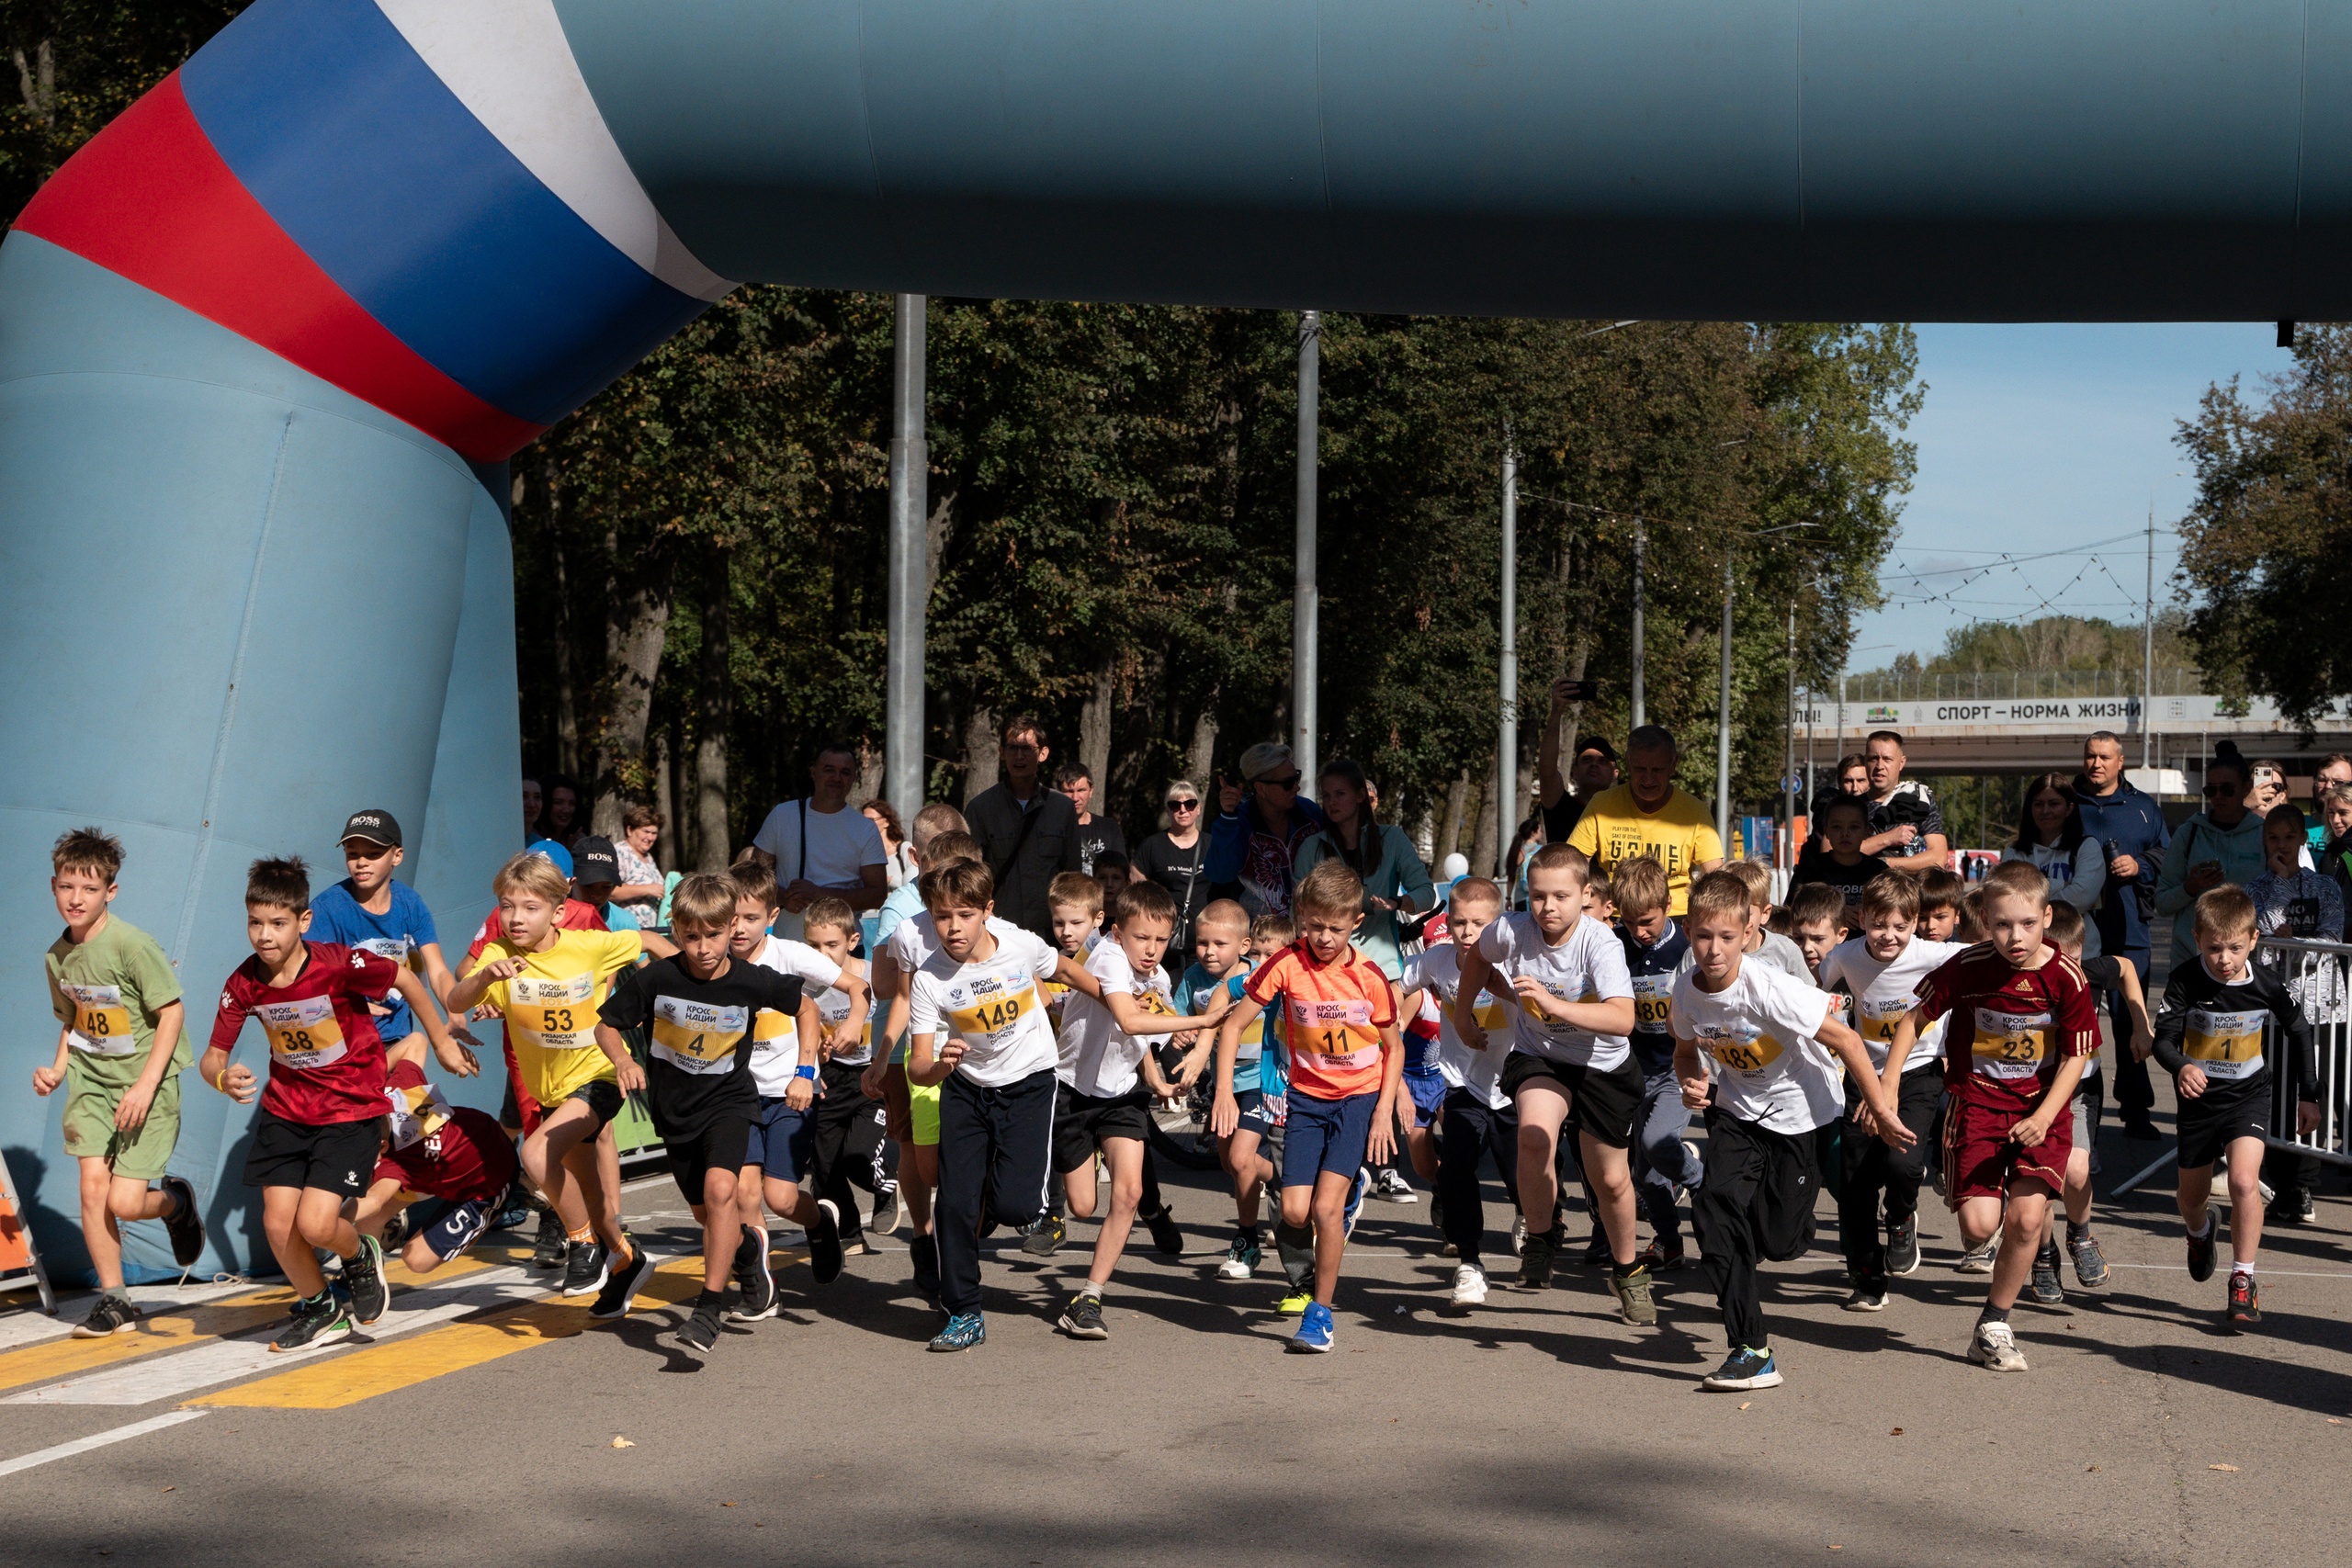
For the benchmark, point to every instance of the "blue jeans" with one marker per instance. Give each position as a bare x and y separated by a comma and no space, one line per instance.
1662,1162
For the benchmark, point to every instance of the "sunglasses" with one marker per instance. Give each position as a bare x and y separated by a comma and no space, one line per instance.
2223,789
1183,805
1291,782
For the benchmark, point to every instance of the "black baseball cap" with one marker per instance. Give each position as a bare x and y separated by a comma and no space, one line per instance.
376,827
1596,743
593,859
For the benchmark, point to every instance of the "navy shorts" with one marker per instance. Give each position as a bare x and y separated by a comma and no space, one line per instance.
1427,1090
782,1139
1326,1134
1252,1105
461,1225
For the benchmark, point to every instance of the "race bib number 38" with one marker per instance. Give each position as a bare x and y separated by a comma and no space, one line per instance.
302,1033
101,1023
2011,1044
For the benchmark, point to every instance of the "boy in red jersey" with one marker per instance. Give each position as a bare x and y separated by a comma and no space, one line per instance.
321,1122
1347,1060
2023,1025
432,1150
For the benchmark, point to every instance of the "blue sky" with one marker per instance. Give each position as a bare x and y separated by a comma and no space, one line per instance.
2041,438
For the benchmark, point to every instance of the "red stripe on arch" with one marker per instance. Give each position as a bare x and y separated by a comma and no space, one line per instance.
148,198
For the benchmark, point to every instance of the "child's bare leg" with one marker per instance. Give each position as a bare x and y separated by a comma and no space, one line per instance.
99,1233
279,1209
1610,1171
2245,1199
1078,1187
2028,1215
2078,1188
1330,1208
721,1229
1125,1156
1542,1109
1979,1218
1250,1171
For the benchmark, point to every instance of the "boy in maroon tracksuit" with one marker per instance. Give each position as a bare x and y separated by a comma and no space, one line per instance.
434,1150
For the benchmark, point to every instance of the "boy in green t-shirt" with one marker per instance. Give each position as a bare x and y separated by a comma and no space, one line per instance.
120,1050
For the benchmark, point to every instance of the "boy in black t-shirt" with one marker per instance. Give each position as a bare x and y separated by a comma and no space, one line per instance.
699,1006
2208,1036
1843,821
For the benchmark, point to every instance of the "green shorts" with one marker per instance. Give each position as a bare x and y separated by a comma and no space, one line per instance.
909,1111
140,1156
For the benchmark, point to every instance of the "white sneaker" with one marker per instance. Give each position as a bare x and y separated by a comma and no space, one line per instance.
1469,1286
1390,1187
1519,1236
1979,1259
1995,1348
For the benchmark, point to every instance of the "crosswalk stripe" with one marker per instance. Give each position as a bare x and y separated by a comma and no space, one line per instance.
97,1440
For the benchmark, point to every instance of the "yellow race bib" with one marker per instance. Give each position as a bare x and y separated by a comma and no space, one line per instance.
2226,1044
2010,1044
101,1023
553,1014
993,1018
697,1037
1738,1048
302,1033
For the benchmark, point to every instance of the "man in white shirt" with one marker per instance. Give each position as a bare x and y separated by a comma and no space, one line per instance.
821,846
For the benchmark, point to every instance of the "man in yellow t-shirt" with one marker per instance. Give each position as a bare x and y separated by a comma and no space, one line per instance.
1647,816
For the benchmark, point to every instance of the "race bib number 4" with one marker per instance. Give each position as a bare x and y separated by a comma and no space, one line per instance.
1739,1047
697,1037
2226,1044
2010,1044
1338,1035
302,1033
101,1023
555,1015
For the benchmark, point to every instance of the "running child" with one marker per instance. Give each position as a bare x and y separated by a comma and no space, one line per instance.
1476,1119
1220,968
1075,902
1101,1106
1879,973
2022,1021
1819,919
1941,895
1569,1063
2208,1036
1764,944
459,1155
370,908
698,1005
1664,1162
1772,1045
846,1130
2105,973
121,1046
1347,1060
316,1140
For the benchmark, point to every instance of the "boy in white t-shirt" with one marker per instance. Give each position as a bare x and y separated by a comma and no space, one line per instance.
1878,974
1772,1046
978,1029
1569,1061
1108,1076
1476,1119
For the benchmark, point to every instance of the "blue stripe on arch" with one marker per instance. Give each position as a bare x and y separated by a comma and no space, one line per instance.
354,146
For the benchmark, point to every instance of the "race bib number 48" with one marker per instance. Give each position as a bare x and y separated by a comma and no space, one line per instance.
101,1023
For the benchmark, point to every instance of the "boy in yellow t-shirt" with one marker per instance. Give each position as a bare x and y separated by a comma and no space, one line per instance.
550,985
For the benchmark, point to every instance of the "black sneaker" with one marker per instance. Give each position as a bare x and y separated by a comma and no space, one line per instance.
825,1242
622,1284
322,1320
1043,1236
112,1315
1082,1319
1660,1258
363,1276
2201,1251
1869,1293
589,1265
396,1231
698,1333
1903,1245
2246,1302
1535,1260
886,1209
183,1224
1165,1235
553,1246
754,1285
1595,1253
2045,1286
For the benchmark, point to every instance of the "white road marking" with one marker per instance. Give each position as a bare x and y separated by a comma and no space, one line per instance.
32,1326
98,1440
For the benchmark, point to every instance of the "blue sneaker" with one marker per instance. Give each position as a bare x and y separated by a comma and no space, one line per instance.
1742,1369
964,1331
1357,1192
1313,1334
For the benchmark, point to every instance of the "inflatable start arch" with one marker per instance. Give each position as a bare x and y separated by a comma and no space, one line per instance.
265,342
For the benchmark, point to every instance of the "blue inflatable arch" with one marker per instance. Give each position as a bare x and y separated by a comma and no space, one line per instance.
266,341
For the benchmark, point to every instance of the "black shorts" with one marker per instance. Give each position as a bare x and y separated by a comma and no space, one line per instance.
603,1097
1081,1122
2208,1123
719,1143
338,1157
1605,1104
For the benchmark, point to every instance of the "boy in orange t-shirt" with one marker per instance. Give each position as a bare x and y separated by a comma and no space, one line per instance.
1347,1058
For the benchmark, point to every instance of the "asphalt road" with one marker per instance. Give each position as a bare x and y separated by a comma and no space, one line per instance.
484,1422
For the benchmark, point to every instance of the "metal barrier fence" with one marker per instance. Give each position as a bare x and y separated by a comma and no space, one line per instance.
2319,974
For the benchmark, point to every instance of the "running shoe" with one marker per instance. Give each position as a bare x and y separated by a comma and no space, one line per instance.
1294,1301
1742,1369
754,1284
363,1276
1082,1319
2246,1302
1979,1259
585,1271
1903,1245
1242,1256
964,1331
1535,1260
825,1247
1635,1304
1043,1237
553,1244
1661,1260
1314,1336
1518,1235
2293,1208
2046,1289
1390,1187
1469,1287
396,1232
183,1224
1166,1234
887,1210
2201,1251
1866,1295
698,1334
622,1284
1995,1348
112,1315
1356,1195
322,1320
2090,1263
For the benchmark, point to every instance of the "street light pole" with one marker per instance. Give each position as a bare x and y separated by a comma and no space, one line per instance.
1507,739
1789,745
2148,644
1306,603
909,595
1639,716
1723,722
